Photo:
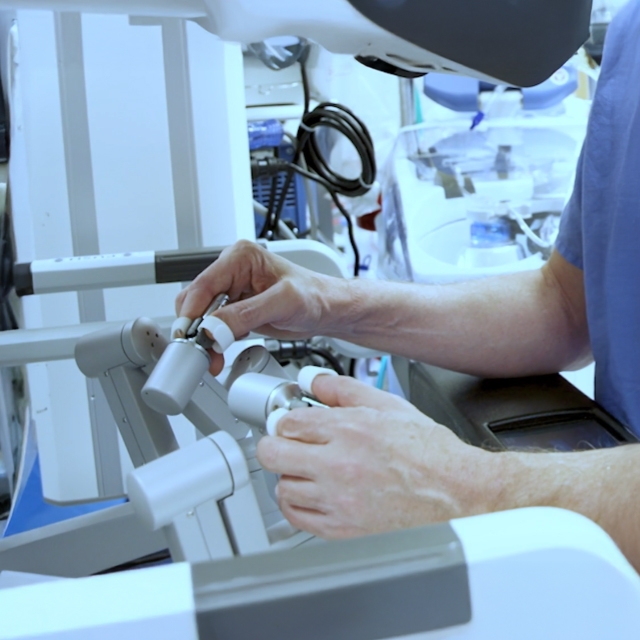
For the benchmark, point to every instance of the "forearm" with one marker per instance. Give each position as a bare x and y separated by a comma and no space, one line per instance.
512,325
602,485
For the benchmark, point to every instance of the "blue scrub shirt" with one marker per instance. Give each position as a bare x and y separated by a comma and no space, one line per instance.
600,228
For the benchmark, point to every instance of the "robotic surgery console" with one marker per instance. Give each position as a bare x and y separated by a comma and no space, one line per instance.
523,573
240,570
528,573
211,499
537,413
520,44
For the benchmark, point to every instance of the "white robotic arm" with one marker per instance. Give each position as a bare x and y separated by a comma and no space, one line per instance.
518,43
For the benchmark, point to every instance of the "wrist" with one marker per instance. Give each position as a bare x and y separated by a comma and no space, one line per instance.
488,479
530,479
342,304
503,480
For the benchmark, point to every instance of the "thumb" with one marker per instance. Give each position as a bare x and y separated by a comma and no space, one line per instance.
342,391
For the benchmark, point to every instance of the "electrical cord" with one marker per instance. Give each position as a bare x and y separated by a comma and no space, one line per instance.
344,121
341,119
7,316
326,355
313,232
261,211
272,201
341,209
286,350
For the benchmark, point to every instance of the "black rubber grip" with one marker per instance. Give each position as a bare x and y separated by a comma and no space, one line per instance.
181,266
23,278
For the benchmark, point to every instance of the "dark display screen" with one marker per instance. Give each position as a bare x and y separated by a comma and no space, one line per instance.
575,435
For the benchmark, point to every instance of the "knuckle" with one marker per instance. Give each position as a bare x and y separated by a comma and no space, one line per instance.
201,285
346,471
287,288
244,245
248,314
283,492
291,514
288,493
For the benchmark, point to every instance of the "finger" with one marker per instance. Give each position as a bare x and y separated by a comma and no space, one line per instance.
304,519
217,362
312,425
259,311
287,457
230,273
241,317
342,391
193,301
180,301
280,334
300,493
319,524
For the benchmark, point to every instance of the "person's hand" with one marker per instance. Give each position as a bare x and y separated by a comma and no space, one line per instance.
268,294
372,463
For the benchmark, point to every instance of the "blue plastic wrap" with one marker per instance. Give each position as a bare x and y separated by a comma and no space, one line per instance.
30,510
265,133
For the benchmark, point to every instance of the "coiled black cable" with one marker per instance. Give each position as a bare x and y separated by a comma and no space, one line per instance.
345,122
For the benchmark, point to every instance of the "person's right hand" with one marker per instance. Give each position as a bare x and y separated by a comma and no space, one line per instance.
268,294
371,462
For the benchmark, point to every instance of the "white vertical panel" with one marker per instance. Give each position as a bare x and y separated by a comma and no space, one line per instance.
134,196
131,153
42,229
129,136
222,144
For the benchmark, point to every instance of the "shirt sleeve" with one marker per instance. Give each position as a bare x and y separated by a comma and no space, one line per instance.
569,241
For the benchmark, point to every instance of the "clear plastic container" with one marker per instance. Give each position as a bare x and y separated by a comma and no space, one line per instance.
459,204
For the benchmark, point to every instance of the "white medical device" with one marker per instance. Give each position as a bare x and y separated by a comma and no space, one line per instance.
205,501
185,359
520,43
527,574
212,498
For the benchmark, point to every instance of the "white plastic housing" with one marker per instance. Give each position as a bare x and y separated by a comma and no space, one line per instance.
154,8
178,482
334,24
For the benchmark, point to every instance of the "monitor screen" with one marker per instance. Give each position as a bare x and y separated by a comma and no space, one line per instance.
574,435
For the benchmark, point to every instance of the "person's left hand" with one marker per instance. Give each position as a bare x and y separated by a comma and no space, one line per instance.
372,463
